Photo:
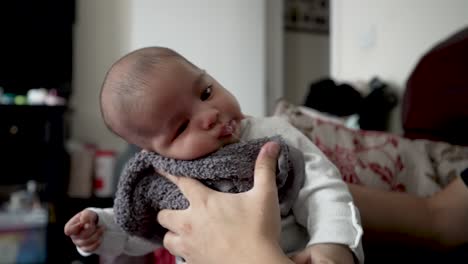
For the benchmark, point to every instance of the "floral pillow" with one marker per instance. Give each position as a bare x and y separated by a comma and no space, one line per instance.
379,159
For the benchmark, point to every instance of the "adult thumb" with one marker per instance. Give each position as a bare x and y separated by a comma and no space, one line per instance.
265,166
302,257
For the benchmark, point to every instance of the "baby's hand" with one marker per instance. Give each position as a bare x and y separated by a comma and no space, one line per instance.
83,230
324,253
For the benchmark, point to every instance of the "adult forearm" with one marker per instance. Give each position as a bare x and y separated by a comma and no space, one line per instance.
450,207
263,252
394,214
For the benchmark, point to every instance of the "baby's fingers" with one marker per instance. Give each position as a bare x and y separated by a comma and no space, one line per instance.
73,226
92,247
87,231
72,229
89,241
88,217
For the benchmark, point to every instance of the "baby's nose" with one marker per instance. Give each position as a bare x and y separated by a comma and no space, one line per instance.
209,119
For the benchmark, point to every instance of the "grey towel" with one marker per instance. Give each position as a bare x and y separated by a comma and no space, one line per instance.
142,192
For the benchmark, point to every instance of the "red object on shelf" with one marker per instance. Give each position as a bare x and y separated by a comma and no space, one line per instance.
104,164
163,256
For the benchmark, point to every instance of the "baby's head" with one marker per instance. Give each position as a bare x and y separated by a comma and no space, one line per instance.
156,99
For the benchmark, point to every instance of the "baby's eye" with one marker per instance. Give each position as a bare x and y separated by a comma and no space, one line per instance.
206,94
182,128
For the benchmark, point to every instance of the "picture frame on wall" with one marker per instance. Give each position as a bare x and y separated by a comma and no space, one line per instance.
312,16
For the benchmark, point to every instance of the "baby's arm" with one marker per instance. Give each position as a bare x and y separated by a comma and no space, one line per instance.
324,204
114,241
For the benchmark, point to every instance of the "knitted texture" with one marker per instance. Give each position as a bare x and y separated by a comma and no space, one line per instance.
142,192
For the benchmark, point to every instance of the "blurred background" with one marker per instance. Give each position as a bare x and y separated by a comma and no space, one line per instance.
58,156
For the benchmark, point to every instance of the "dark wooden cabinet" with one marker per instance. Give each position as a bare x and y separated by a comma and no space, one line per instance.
32,147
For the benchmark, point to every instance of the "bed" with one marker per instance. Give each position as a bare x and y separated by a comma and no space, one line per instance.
432,151
379,159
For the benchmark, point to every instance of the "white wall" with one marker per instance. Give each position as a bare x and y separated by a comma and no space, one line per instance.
387,37
307,59
225,37
101,35
275,62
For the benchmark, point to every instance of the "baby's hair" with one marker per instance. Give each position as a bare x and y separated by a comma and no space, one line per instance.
125,81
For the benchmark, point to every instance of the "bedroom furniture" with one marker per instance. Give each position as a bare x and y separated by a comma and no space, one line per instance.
384,161
32,147
37,45
37,51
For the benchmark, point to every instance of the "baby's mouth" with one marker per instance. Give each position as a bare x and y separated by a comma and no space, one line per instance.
228,129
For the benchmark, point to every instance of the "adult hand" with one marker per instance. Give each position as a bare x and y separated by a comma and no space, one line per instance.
228,228
324,253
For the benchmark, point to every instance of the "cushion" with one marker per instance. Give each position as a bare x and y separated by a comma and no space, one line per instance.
379,159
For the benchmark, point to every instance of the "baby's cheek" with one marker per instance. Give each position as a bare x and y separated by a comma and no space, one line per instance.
204,147
197,148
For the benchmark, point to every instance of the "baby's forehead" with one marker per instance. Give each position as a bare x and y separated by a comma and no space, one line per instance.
157,90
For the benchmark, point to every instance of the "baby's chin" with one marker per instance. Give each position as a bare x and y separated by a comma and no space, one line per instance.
202,152
229,140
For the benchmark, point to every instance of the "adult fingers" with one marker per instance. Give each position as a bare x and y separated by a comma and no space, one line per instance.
265,167
302,257
173,243
165,218
171,220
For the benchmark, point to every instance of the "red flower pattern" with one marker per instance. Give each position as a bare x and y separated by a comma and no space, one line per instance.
347,160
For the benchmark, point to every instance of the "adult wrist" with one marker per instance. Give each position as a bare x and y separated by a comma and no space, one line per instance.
263,252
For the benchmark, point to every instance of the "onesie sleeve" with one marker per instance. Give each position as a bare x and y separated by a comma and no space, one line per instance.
324,205
115,241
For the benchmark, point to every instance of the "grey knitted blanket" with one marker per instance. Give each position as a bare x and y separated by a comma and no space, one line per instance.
142,192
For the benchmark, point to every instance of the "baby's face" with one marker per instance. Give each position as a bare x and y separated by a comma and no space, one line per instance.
185,113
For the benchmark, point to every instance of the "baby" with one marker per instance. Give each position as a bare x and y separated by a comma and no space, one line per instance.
156,99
